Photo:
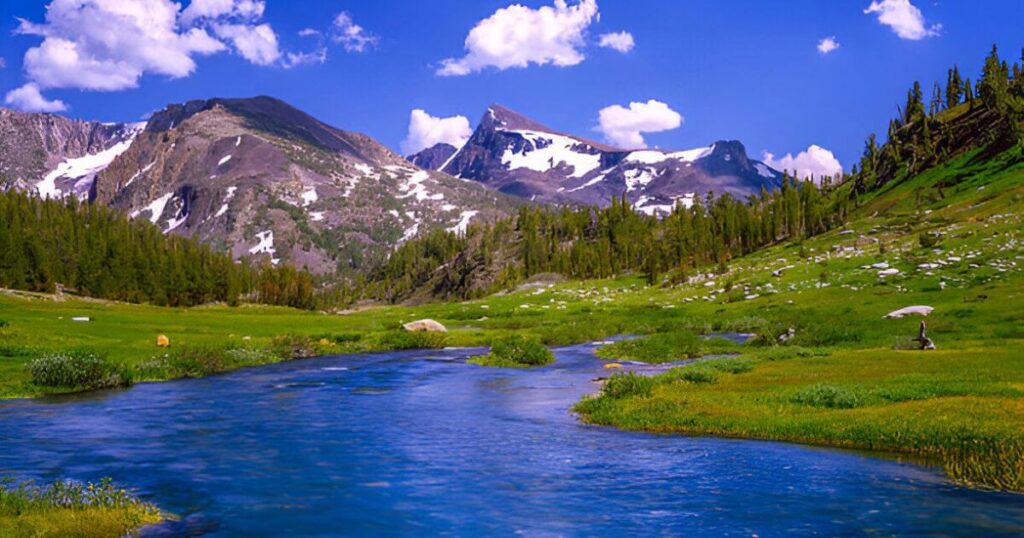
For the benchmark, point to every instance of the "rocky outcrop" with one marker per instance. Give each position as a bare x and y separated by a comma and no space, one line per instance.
434,157
41,152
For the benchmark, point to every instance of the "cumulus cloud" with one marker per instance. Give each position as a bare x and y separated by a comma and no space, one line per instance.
215,9
105,45
351,36
624,127
426,131
108,45
517,36
29,99
827,45
620,41
815,162
903,18
257,44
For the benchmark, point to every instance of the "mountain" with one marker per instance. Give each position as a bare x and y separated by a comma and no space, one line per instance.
57,156
517,155
260,179
435,157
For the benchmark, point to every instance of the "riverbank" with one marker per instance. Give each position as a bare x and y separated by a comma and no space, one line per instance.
65,509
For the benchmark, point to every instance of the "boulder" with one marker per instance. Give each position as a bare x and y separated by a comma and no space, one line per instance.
613,365
910,310
425,325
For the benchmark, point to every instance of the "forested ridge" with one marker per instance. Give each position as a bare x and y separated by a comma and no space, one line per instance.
97,252
596,243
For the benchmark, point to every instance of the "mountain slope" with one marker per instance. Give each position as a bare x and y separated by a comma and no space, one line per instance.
517,155
256,178
56,156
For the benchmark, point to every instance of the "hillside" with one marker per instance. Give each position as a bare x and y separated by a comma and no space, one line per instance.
253,177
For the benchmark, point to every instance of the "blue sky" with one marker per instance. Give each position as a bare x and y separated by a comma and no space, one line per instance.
741,70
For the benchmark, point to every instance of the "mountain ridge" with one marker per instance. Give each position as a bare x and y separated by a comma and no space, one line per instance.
517,155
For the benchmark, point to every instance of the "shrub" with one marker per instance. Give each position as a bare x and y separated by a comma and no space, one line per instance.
82,369
928,239
627,385
294,346
698,373
516,351
829,396
730,365
657,348
339,338
402,339
4,324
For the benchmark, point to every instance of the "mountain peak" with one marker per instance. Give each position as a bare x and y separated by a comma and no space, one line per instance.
501,117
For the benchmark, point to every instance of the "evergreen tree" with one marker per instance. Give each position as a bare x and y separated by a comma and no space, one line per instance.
954,88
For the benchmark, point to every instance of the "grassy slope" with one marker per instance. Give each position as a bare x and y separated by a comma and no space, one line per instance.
961,404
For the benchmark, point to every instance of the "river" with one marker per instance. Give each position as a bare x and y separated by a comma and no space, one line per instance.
420,443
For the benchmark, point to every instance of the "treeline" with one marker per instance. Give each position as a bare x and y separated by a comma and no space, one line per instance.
960,116
96,252
599,243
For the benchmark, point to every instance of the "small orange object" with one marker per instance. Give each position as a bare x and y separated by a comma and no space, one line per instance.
163,341
613,365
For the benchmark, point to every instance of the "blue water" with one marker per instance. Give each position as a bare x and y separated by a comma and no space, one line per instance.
420,443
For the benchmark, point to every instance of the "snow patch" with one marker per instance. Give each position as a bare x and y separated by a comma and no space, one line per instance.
309,197
316,216
464,219
224,160
654,156
545,151
83,170
155,208
265,245
227,200
414,186
763,170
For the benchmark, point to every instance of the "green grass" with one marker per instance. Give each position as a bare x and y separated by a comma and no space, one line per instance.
516,351
67,509
665,347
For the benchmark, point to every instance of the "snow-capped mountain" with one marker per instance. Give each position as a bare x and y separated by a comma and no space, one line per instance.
516,155
261,179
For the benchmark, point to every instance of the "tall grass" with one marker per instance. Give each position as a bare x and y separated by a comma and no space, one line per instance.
67,508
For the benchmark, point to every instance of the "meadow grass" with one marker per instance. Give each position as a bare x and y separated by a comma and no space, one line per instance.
66,509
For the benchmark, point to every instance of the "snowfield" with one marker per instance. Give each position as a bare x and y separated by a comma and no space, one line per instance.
83,170
546,151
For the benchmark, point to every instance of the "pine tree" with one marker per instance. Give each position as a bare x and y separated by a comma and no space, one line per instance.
954,88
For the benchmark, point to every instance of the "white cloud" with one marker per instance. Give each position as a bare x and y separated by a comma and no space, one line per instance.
351,36
624,127
3,63
815,162
828,44
904,18
517,36
108,45
215,9
27,98
426,131
258,44
620,41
